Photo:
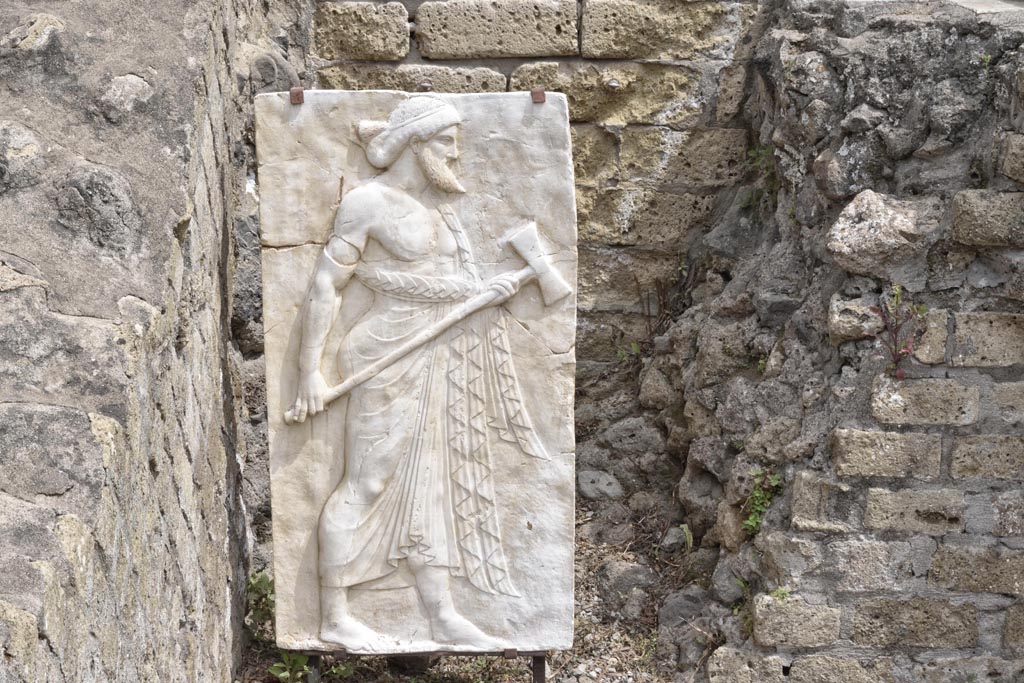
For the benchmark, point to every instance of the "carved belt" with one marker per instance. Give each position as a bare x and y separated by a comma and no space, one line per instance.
415,287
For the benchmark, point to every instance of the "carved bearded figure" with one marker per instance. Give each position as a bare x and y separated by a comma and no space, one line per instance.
416,504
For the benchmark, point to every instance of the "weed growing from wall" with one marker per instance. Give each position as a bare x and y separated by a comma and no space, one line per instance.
766,486
900,319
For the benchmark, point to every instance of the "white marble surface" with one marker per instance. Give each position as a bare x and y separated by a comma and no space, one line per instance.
512,157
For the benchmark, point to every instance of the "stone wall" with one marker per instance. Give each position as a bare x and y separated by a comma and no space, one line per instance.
123,553
895,553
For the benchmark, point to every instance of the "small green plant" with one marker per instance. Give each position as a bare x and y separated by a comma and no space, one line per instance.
986,60
291,667
899,319
340,670
687,537
766,485
760,157
743,608
259,593
738,606
762,364
630,353
761,162
780,593
646,646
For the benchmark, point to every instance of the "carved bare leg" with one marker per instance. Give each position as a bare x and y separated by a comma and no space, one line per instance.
338,626
447,625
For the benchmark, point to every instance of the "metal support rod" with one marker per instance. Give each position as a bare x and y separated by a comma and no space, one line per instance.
539,669
314,669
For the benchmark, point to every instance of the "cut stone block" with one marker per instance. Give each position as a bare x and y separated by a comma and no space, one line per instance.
473,29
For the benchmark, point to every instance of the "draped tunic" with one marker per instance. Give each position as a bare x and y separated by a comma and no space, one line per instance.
432,416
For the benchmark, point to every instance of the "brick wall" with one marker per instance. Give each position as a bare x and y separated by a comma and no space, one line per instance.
900,554
654,91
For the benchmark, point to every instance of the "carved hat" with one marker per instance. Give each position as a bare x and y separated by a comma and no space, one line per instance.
421,116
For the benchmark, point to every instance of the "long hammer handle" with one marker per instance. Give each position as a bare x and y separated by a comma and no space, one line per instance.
463,311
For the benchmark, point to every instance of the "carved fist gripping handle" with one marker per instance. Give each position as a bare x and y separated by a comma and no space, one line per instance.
553,288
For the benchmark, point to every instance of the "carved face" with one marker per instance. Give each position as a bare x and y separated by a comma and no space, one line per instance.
436,157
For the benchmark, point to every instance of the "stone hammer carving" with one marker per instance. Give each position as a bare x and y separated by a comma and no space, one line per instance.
553,288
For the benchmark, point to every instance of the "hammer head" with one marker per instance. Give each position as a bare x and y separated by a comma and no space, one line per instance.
553,286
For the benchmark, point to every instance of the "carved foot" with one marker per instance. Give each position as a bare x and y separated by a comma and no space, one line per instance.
353,636
454,629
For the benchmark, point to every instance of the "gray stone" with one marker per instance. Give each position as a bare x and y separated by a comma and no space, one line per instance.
733,665
96,203
35,33
634,436
988,218
863,118
979,570
830,669
988,339
917,622
789,557
931,347
1013,157
884,237
124,95
618,581
814,503
21,157
674,540
886,454
925,401
683,606
934,512
850,319
49,456
988,457
595,485
792,622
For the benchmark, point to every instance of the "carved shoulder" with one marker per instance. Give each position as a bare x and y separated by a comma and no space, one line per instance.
357,215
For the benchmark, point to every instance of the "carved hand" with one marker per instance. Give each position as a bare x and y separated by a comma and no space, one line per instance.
310,399
504,285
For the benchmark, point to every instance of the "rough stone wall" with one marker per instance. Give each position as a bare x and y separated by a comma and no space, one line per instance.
123,552
894,552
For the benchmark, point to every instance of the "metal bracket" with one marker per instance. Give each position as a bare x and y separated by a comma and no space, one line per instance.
538,96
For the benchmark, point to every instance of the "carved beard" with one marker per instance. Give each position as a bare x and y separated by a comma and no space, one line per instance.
439,173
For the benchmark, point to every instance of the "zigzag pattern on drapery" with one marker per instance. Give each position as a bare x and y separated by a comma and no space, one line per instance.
515,427
476,518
